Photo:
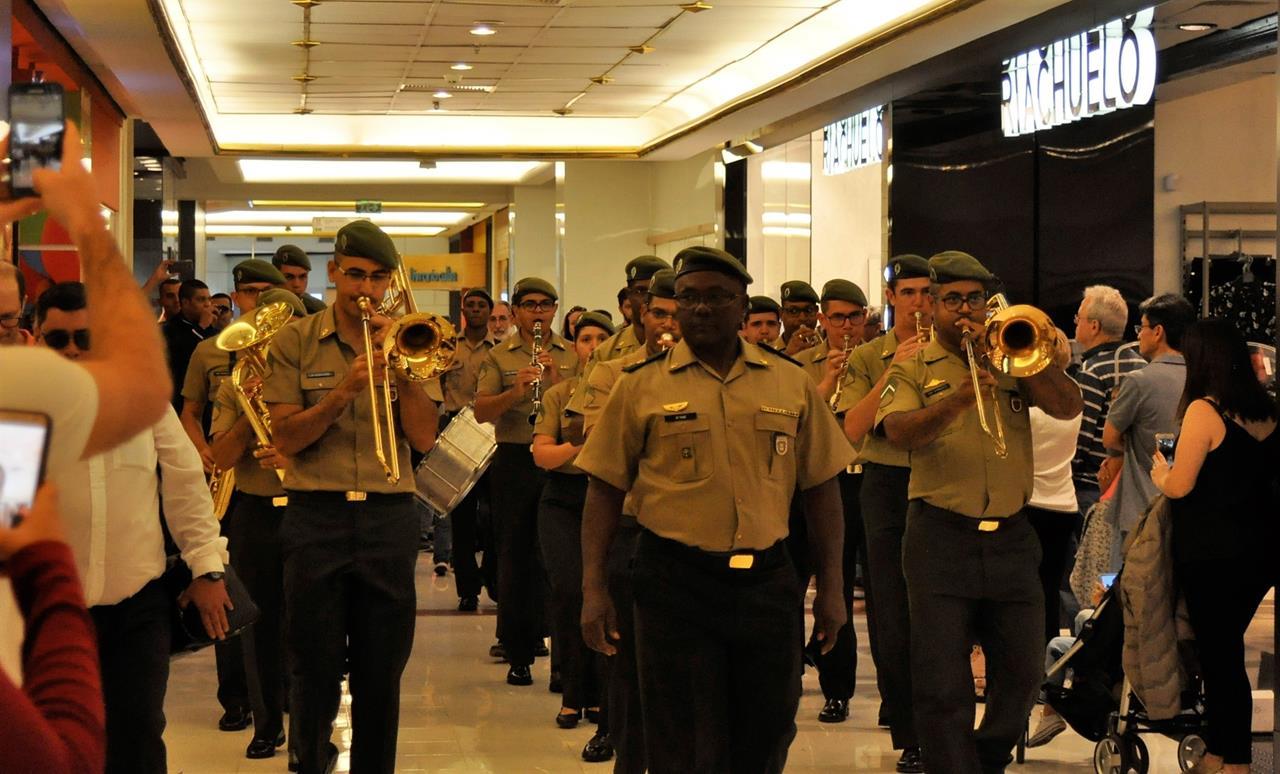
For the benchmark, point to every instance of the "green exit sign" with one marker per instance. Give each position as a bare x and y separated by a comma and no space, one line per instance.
368,207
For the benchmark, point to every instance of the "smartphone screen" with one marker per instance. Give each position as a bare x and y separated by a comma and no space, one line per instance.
36,122
1165,444
24,441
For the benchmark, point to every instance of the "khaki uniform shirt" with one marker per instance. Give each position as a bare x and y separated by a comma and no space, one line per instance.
251,478
459,382
556,422
624,342
959,470
205,372
712,462
598,385
308,361
498,374
867,364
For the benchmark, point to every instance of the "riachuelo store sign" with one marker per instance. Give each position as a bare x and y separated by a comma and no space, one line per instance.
1106,68
450,271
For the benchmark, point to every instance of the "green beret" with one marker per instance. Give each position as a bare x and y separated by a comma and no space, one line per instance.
533,285
701,258
312,303
283,296
843,290
955,266
596,319
906,266
644,267
291,255
761,304
663,284
254,270
799,290
362,239
479,293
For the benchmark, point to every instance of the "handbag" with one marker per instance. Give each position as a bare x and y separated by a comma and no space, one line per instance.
188,633
1093,557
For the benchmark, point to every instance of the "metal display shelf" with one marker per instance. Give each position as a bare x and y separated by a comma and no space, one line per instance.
1206,234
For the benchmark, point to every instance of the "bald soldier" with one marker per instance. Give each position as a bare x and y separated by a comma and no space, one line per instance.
504,396
764,322
630,337
350,532
799,316
710,440
885,472
970,557
294,263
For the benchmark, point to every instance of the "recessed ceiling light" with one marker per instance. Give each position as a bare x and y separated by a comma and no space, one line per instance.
442,94
1197,26
484,28
460,66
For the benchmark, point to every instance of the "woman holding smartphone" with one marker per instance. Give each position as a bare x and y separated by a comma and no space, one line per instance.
1222,489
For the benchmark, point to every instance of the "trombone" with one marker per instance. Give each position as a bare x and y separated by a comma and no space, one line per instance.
419,346
1016,341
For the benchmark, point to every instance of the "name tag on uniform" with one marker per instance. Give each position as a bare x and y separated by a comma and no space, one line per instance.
685,417
510,373
319,374
221,372
933,389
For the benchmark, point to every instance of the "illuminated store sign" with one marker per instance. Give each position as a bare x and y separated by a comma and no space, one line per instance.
1110,67
853,142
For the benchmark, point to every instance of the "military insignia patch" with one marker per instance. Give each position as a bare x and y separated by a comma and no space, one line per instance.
780,444
681,406
1015,404
886,395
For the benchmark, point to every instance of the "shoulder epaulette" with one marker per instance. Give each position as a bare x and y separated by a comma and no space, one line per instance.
780,354
643,363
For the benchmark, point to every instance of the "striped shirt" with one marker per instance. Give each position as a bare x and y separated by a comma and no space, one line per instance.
1098,377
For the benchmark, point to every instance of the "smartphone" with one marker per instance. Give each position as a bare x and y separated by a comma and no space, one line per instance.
1107,579
37,124
1165,444
24,445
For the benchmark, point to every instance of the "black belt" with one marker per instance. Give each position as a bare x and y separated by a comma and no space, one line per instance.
350,496
969,522
733,562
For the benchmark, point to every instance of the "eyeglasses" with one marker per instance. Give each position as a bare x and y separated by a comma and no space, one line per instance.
975,300
839,320
660,315
797,310
357,276
220,309
537,306
716,299
1140,327
10,320
59,338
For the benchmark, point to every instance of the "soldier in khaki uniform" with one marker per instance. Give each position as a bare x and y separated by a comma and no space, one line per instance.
504,396
970,556
799,316
885,472
630,337
255,535
764,322
459,385
710,441
349,534
842,305
294,263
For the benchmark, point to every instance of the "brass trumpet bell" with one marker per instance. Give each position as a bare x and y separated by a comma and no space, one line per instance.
420,346
244,333
1020,340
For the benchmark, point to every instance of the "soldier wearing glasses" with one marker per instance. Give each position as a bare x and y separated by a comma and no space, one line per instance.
970,557
349,536
504,397
710,440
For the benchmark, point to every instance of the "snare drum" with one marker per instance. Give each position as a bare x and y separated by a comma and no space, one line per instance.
457,461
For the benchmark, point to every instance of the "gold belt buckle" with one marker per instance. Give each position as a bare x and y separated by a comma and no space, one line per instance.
357,497
853,470
279,502
988,525
741,561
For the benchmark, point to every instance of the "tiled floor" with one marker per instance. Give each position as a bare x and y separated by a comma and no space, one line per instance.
459,715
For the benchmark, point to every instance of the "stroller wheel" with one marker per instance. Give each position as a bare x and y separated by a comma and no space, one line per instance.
1116,754
1191,748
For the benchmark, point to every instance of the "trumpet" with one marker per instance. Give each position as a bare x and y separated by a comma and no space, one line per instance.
840,375
419,346
666,341
1016,341
922,333
535,362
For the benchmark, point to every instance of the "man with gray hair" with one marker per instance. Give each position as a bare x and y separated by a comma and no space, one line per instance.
1100,324
11,294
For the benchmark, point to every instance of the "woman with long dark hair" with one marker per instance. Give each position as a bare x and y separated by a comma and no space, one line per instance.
1222,489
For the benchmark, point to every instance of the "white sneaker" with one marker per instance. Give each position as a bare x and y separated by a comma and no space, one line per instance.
1048,727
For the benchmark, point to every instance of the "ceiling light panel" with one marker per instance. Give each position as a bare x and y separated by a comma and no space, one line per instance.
461,36
351,203
304,217
339,171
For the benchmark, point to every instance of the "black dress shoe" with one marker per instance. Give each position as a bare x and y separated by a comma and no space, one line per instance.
911,761
598,749
592,715
555,684
540,650
235,720
468,604
519,675
567,720
293,761
496,650
834,711
264,748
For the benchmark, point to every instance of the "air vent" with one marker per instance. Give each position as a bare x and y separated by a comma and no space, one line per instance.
465,88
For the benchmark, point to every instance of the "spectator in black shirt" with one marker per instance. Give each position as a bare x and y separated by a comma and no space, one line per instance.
192,325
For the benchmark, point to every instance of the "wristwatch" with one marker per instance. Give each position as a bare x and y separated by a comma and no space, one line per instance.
212,577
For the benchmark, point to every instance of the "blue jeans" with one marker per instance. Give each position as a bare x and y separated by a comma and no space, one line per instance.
442,543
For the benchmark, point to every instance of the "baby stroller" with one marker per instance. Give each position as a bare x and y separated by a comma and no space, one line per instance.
1097,702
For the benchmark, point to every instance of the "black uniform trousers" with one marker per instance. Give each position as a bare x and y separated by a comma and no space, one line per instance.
517,487
625,714
884,517
965,584
349,600
133,654
838,669
719,655
233,683
560,536
259,562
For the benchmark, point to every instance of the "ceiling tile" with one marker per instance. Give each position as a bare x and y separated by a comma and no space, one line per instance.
523,71
439,35
568,85
383,69
369,12
733,24
594,36
366,34
652,16
466,14
584,55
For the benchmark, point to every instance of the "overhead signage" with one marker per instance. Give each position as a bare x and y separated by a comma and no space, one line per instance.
853,142
448,271
368,207
1107,68
331,225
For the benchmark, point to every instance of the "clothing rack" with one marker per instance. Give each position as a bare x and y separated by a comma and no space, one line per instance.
1257,214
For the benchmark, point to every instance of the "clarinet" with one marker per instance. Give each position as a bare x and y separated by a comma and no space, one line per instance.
840,376
542,368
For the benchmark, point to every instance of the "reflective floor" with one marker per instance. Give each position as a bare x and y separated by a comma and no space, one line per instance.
459,715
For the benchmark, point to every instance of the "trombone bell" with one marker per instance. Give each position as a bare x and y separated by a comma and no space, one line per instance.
1020,340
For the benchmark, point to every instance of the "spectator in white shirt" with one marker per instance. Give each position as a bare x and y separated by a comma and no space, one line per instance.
103,401
112,502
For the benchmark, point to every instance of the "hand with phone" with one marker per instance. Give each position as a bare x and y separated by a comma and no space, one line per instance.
39,523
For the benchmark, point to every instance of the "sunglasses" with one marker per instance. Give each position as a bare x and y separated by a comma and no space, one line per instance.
59,339
220,309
